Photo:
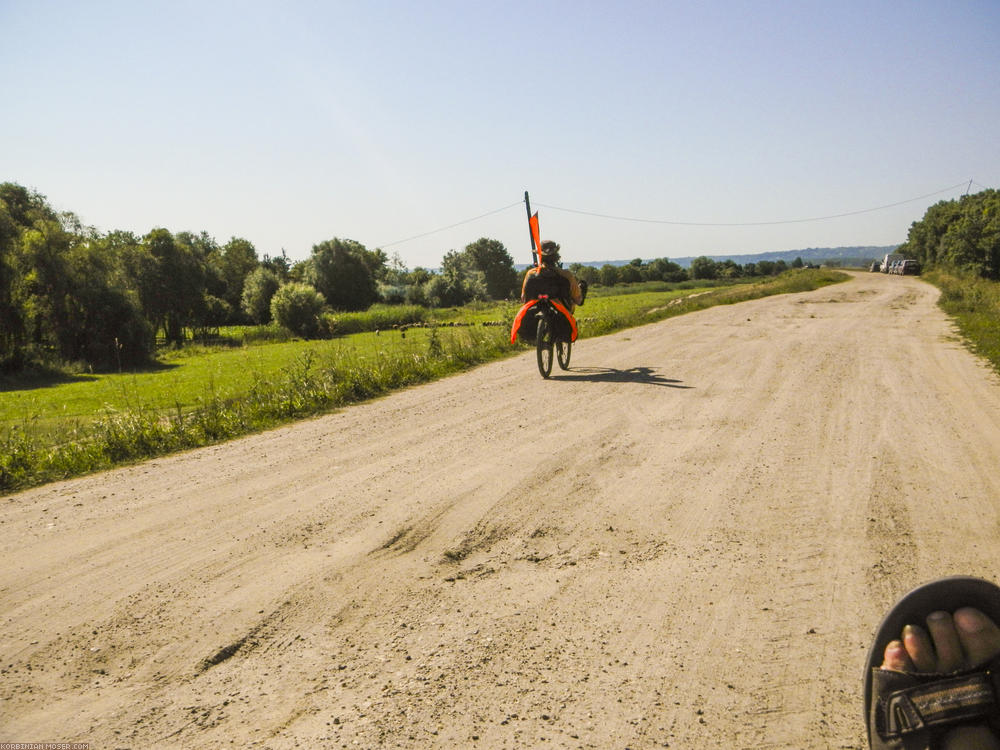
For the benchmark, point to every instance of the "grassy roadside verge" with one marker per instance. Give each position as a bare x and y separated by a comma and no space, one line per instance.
141,419
974,305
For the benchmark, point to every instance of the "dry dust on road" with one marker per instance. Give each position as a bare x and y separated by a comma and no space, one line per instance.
685,541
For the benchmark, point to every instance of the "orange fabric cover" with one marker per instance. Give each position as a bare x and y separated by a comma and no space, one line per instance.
518,318
527,306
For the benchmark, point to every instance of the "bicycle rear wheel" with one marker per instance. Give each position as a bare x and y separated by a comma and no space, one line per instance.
563,351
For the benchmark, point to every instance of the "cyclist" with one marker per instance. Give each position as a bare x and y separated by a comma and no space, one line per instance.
551,279
559,285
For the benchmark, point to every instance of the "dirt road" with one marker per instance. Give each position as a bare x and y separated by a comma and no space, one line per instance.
686,541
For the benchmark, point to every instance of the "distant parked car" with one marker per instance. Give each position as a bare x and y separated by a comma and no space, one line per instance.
888,260
910,267
875,267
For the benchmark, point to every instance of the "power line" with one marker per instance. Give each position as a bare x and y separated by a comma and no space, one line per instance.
452,226
679,223
748,223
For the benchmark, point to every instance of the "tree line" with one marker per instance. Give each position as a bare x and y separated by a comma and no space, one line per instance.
69,293
72,294
662,269
961,236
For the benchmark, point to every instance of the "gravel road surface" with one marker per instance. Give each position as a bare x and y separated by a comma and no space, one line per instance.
684,541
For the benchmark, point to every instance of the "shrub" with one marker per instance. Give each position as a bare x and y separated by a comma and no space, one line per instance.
416,294
453,290
392,294
297,307
338,270
258,290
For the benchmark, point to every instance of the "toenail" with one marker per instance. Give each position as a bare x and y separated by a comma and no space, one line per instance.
895,656
969,621
938,616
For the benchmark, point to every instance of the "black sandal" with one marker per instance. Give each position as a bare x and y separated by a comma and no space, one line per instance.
907,711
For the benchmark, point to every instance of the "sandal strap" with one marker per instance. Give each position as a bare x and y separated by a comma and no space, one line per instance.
943,702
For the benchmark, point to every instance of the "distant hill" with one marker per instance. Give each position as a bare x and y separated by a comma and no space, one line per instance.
846,256
858,255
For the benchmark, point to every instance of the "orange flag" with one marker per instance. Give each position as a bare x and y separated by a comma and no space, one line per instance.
533,224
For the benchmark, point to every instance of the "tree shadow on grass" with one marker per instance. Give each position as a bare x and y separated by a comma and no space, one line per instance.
35,380
51,378
641,375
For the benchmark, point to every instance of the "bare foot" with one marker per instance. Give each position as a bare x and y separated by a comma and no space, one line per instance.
951,642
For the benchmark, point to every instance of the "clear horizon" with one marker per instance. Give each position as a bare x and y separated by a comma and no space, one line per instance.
643,129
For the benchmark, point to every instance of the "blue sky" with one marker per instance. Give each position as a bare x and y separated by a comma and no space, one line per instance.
289,123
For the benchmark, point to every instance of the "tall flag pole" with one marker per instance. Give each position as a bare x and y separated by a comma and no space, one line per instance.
536,242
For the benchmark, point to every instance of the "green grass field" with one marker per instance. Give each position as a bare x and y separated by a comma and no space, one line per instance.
184,379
